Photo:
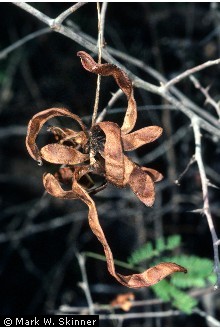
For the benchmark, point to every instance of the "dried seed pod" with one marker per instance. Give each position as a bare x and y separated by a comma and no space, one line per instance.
36,124
103,148
123,82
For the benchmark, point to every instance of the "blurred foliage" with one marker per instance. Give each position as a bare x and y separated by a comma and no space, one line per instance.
39,234
200,272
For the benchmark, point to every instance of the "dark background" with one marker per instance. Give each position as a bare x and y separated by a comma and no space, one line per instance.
39,234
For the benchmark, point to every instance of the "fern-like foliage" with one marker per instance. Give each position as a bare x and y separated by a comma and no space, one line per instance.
169,293
200,272
147,251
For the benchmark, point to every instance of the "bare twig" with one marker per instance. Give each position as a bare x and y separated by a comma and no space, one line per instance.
190,72
158,76
6,85
209,126
140,315
192,161
163,147
85,285
16,130
206,206
184,109
38,228
85,42
205,92
209,318
101,23
35,12
111,102
135,303
22,41
96,105
59,19
66,309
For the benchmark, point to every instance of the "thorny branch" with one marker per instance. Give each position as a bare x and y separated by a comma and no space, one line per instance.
197,116
189,72
205,92
85,41
160,314
206,207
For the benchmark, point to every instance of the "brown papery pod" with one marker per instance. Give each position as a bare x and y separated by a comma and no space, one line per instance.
36,123
60,154
113,153
141,137
66,134
140,181
149,277
123,82
155,175
53,187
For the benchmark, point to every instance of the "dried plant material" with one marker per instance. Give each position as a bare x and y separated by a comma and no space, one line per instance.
138,138
100,150
61,154
36,124
113,153
53,188
123,301
142,185
123,82
155,175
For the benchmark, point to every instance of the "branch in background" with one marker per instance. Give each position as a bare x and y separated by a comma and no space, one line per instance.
85,42
113,99
192,161
206,206
59,20
189,72
184,109
101,23
188,108
205,92
22,41
214,322
85,285
152,88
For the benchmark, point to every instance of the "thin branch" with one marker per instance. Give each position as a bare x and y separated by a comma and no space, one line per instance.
66,309
164,147
35,12
192,161
205,92
206,206
189,72
140,315
96,105
41,227
85,285
111,102
85,42
101,23
59,19
209,318
80,39
153,73
180,106
22,41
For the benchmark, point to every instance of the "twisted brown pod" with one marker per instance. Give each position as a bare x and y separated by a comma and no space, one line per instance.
100,150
